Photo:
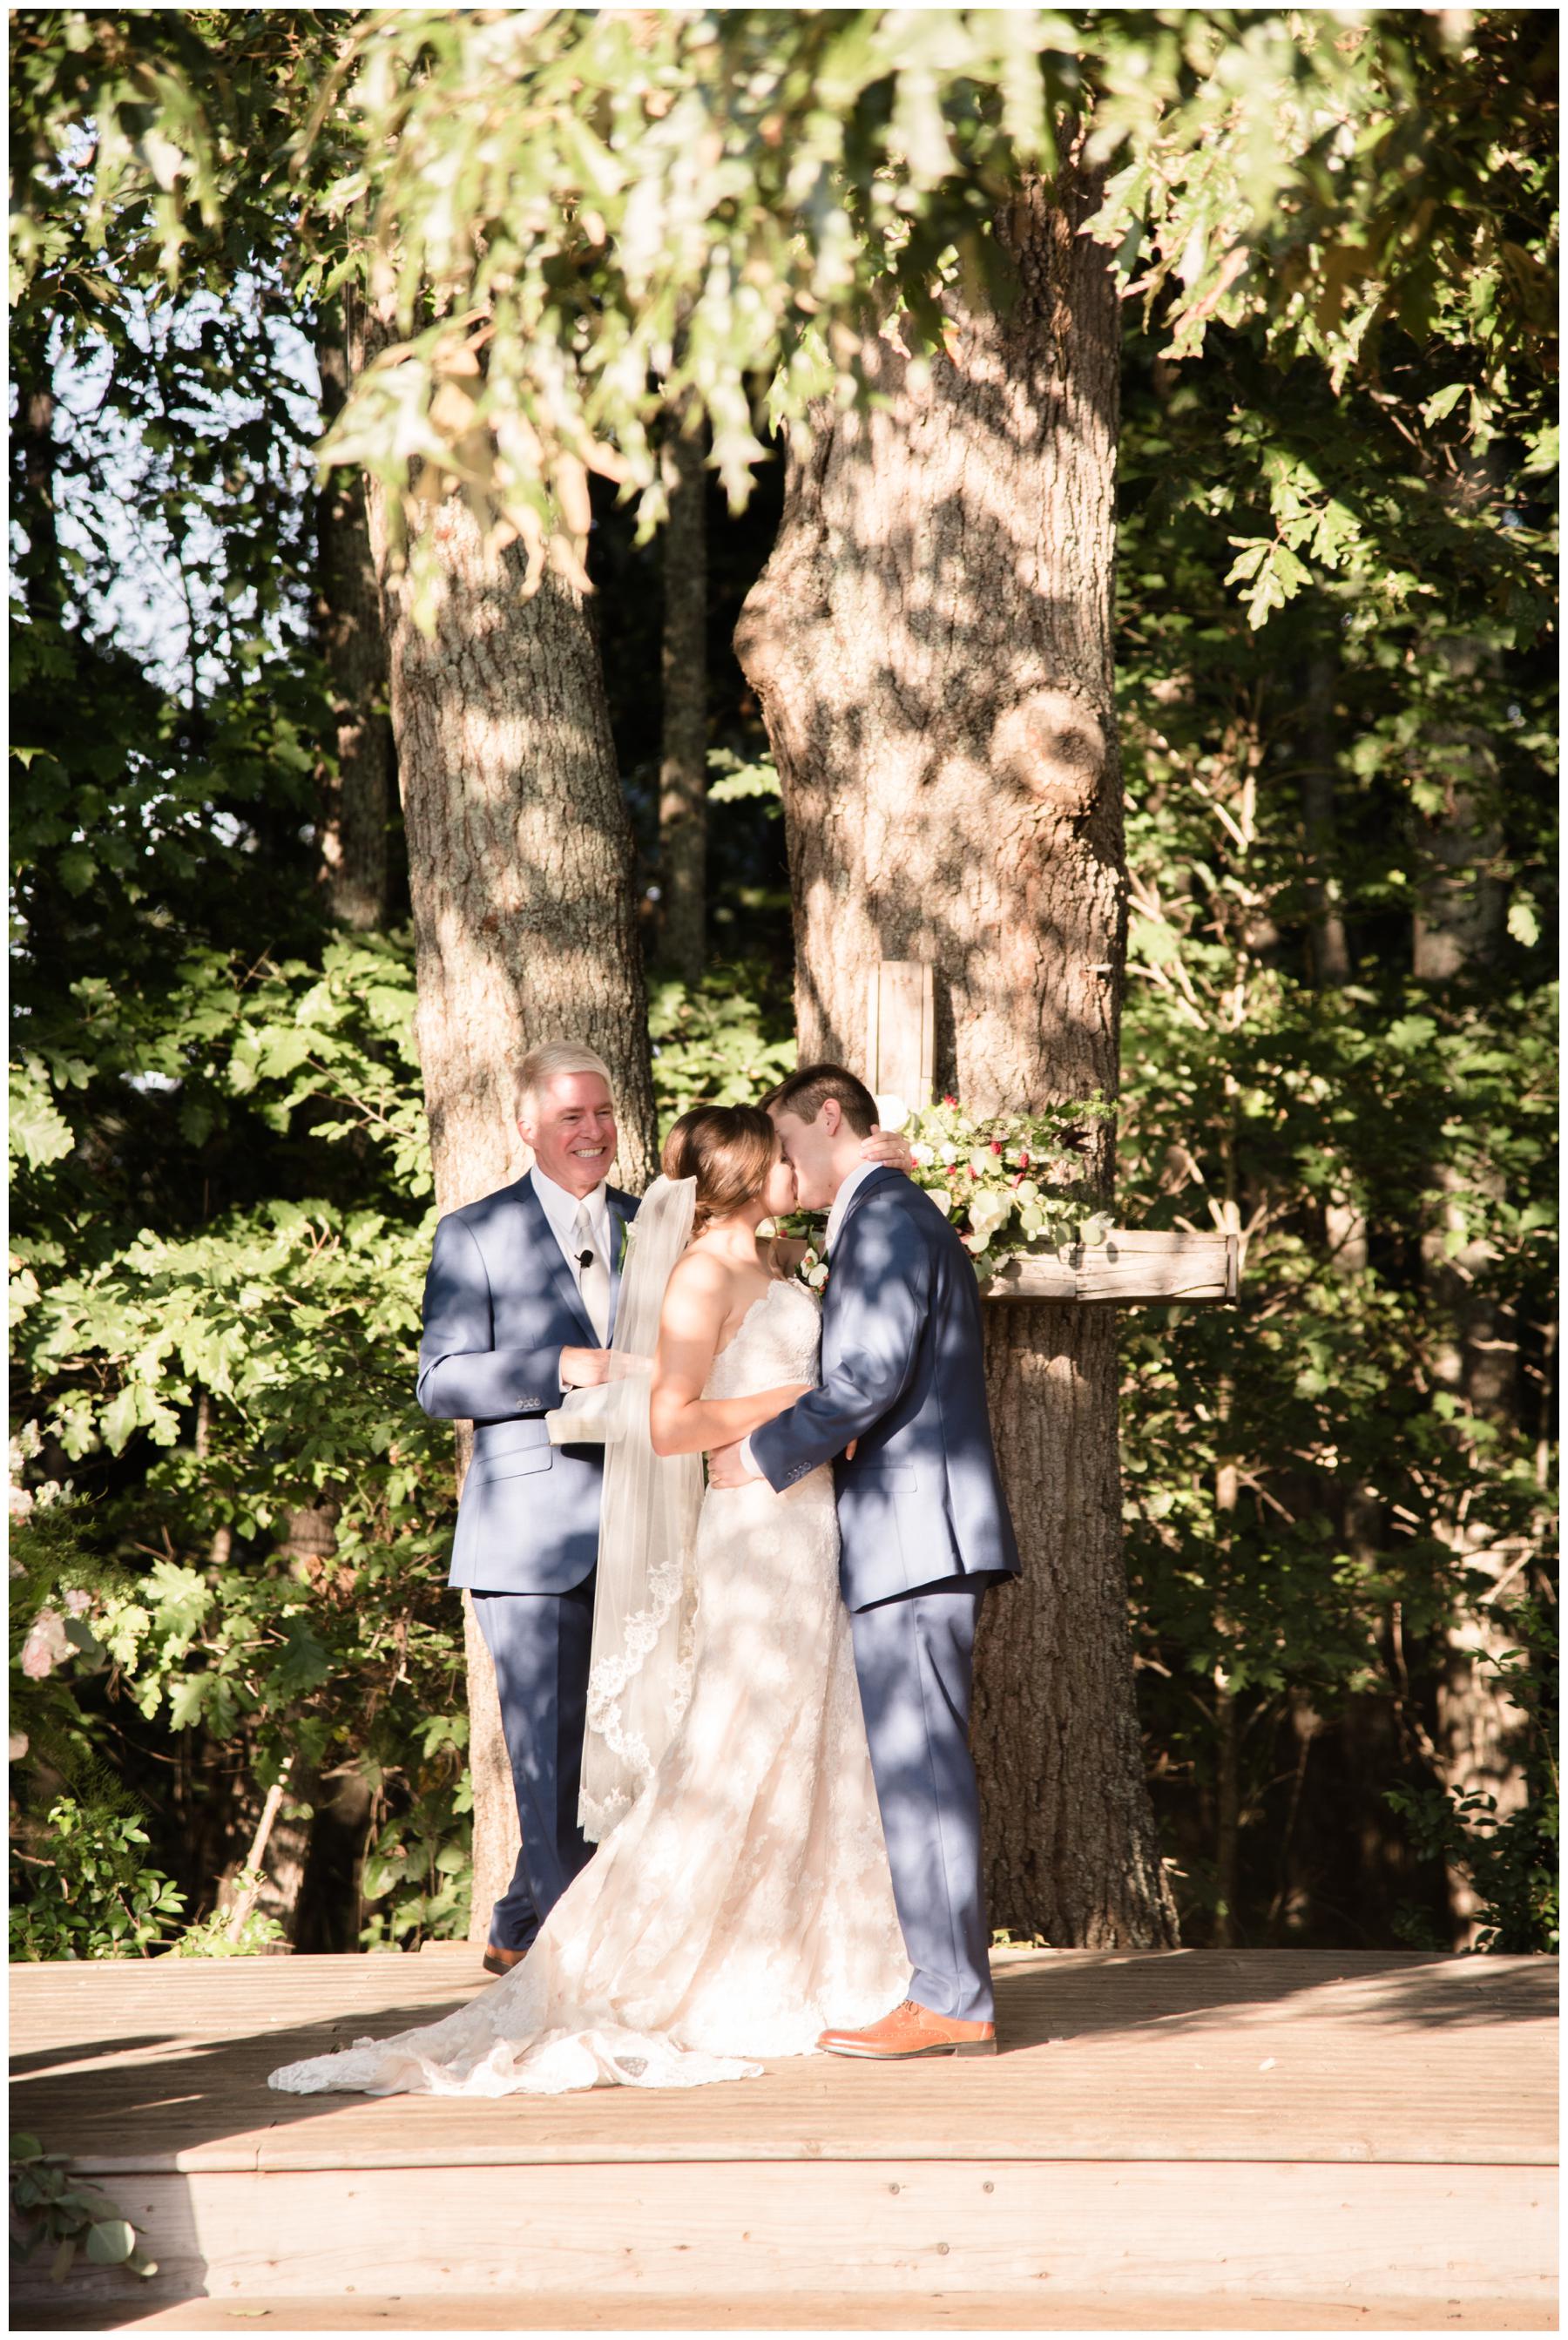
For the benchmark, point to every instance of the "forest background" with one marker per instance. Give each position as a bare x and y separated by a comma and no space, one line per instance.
1335,663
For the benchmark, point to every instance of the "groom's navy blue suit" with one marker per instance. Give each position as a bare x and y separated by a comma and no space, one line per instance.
923,1528
500,1305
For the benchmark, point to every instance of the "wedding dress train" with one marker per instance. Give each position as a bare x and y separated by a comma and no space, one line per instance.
743,1904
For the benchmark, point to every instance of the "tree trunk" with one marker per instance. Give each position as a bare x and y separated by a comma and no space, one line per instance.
519,873
683,768
1330,940
33,463
931,643
1458,927
356,797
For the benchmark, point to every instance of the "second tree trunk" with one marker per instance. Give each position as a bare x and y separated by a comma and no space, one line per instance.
931,643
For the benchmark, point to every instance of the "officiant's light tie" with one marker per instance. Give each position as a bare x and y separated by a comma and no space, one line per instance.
592,1277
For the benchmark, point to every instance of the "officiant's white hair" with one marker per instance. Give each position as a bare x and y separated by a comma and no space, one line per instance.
542,1066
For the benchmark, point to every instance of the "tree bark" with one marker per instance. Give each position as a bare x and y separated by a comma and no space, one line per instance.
683,767
1330,939
931,644
356,796
519,873
1457,929
33,463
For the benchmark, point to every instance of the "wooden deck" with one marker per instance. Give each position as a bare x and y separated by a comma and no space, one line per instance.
1188,2140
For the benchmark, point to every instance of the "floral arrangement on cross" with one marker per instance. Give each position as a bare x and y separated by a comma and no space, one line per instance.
1015,1183
1012,1183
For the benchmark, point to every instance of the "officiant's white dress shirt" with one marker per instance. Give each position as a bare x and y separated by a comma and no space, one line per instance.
562,1209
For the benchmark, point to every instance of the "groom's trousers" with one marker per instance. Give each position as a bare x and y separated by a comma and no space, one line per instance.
915,1657
540,1643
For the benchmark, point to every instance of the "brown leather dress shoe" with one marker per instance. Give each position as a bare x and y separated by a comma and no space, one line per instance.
913,2030
498,1961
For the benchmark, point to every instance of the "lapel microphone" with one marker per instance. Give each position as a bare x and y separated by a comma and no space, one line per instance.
585,1259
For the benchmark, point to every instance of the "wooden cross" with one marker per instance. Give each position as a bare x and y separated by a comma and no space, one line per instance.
1130,1266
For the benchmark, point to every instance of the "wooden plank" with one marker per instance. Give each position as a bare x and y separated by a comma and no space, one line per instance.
1131,1266
1207,2055
730,2230
807,2311
901,1031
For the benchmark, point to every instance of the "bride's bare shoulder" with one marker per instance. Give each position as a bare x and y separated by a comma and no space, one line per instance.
698,1286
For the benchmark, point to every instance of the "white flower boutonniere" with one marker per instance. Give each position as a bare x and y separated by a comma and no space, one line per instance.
812,1271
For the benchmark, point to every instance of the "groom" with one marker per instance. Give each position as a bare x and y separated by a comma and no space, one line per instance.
924,1528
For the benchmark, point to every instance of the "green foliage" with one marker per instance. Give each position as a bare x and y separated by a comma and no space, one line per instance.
727,1042
1306,1477
576,221
91,1896
210,1938
50,2206
737,779
1512,1859
419,1868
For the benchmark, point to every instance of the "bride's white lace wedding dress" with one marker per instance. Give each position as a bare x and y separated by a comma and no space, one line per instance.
743,1903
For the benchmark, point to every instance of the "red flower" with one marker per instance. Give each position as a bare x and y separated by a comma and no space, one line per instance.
949,1100
996,1144
1023,1159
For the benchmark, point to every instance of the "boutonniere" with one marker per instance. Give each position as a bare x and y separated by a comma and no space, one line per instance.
812,1271
628,1229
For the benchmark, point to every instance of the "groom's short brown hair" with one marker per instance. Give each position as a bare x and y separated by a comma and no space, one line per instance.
805,1093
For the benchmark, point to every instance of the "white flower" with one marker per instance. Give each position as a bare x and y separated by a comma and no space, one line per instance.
1027,1191
942,1199
949,1153
989,1210
892,1115
980,1160
818,1276
765,1229
924,1155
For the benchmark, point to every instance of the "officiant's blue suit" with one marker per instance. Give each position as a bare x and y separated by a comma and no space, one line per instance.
923,1529
501,1304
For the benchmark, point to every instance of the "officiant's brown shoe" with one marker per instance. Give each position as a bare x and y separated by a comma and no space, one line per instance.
498,1961
913,2030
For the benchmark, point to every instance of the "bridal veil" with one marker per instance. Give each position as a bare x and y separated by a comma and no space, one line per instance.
644,1605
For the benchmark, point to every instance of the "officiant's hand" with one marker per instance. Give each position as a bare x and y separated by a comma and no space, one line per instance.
584,1368
888,1151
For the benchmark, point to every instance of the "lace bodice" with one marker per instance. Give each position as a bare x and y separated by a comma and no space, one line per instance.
777,1342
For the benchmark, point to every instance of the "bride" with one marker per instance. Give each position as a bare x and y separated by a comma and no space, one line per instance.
741,1900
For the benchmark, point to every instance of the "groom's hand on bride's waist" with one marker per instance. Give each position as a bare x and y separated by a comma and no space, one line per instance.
584,1368
731,1466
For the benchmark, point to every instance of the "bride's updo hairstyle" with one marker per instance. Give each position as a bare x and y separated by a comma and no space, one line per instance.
729,1149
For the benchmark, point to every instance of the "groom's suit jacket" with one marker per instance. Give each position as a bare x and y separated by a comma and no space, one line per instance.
903,1371
500,1305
